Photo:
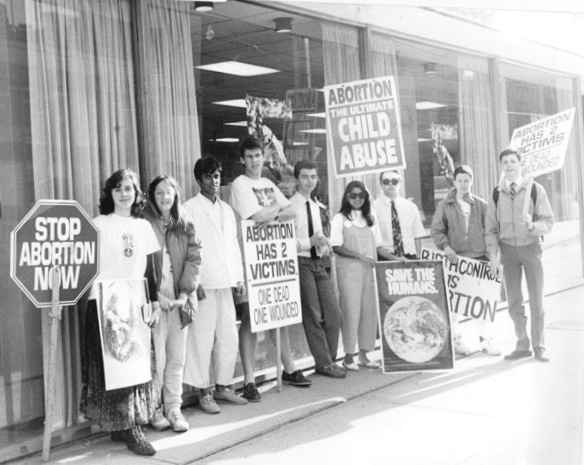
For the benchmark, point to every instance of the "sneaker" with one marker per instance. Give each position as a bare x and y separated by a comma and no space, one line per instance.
137,442
541,355
159,421
178,422
296,379
251,393
332,371
207,403
350,366
227,395
460,347
489,347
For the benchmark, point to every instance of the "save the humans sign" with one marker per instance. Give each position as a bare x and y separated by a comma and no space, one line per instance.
363,126
54,232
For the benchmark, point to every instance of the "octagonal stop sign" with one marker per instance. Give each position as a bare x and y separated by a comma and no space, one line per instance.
54,232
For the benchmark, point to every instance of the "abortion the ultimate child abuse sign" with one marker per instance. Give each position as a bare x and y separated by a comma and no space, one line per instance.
363,126
271,271
414,316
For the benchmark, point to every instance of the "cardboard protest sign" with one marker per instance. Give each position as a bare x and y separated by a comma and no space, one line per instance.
363,126
271,270
472,290
124,312
414,316
542,145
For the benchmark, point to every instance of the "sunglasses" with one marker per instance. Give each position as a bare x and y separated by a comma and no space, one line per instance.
354,195
393,182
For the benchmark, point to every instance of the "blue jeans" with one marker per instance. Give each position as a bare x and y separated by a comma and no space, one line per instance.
321,314
516,261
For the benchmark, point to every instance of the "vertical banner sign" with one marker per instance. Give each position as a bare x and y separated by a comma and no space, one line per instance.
271,270
299,133
472,290
363,126
414,316
543,144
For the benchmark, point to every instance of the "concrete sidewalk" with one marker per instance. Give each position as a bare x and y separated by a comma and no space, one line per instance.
485,411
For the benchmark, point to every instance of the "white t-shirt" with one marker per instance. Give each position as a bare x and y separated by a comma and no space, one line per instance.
249,196
124,244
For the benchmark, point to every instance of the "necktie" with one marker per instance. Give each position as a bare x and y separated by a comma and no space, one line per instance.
512,190
310,229
398,244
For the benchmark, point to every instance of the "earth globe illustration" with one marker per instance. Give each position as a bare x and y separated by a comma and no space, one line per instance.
415,329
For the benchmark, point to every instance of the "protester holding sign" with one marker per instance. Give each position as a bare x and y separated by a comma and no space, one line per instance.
458,228
399,219
213,340
127,245
516,235
356,240
177,269
258,199
321,314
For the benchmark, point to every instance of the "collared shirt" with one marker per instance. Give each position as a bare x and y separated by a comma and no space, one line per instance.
298,201
518,182
409,220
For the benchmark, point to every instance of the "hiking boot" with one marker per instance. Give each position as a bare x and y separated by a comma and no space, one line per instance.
159,421
227,395
332,371
207,403
296,379
251,393
177,421
137,442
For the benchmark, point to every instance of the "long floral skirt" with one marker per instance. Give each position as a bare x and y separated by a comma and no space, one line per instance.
118,409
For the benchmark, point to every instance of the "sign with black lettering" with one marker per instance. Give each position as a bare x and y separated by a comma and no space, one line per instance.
472,290
414,316
271,270
363,126
542,145
54,232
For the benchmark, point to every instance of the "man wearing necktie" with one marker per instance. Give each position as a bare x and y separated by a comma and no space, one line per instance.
321,314
516,235
399,219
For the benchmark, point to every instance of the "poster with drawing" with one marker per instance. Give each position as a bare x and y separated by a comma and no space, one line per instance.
414,316
123,311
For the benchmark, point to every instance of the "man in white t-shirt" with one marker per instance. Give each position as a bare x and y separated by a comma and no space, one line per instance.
399,219
258,199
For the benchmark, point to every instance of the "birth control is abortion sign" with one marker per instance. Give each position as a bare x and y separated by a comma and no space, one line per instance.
414,316
542,145
363,126
54,232
473,291
271,270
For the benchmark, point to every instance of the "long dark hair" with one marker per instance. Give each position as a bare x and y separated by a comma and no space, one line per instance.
366,209
106,201
179,223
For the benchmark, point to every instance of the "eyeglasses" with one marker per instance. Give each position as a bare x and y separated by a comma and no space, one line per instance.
355,195
393,182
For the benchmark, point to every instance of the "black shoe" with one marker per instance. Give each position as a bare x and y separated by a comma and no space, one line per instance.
296,379
332,371
517,354
251,393
541,355
137,442
119,436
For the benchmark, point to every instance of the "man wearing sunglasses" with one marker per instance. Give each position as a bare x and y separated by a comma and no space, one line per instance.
399,219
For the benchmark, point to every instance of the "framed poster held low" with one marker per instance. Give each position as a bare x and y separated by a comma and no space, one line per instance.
414,316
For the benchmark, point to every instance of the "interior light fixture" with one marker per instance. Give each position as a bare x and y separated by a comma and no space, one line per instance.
429,68
317,115
283,25
239,103
314,131
225,139
204,7
237,68
428,105
237,123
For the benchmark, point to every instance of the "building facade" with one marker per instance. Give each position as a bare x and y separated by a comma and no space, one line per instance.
91,86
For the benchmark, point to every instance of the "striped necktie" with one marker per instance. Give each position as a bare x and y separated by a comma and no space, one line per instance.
398,243
512,190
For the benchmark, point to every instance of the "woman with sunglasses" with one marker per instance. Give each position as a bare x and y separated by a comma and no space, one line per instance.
356,241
